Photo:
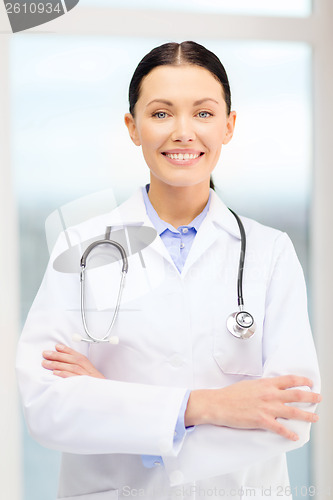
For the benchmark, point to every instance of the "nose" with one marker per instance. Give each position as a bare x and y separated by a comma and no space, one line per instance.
183,130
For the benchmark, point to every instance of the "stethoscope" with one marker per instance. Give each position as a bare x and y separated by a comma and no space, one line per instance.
83,263
240,324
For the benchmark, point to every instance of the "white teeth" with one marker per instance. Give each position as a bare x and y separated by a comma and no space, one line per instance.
181,156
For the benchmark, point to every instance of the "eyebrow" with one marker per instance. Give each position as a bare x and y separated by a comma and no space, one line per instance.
169,103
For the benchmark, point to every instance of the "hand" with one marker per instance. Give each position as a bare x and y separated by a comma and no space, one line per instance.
253,404
65,362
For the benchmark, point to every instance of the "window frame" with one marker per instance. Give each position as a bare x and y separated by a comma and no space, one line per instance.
315,30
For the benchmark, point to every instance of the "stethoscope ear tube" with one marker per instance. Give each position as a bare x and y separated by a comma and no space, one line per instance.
241,260
83,263
111,340
88,250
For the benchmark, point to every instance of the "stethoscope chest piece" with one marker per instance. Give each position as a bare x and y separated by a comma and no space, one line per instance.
241,324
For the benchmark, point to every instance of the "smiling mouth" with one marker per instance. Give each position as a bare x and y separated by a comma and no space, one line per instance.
182,156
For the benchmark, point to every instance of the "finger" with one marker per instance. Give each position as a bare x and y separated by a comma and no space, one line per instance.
64,373
66,349
292,413
300,396
281,430
57,356
288,381
70,367
73,357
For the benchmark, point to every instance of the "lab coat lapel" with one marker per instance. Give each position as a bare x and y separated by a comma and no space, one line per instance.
133,212
219,218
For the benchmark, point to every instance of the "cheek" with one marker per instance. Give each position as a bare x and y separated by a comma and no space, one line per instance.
152,136
214,138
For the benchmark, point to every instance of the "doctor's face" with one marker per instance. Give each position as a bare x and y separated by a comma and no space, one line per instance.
181,122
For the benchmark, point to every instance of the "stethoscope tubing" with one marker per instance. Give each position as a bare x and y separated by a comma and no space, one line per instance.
240,298
124,271
115,244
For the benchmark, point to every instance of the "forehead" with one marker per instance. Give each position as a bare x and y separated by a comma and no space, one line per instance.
177,82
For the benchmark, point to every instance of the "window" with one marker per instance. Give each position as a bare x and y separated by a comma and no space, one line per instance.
297,8
68,100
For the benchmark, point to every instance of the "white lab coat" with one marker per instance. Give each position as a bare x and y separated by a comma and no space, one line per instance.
173,336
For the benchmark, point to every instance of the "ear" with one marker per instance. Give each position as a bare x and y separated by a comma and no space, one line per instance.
230,127
132,129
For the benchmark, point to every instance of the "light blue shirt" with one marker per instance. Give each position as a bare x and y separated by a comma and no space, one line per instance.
178,242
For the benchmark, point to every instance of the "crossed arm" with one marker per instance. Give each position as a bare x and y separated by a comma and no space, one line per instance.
249,404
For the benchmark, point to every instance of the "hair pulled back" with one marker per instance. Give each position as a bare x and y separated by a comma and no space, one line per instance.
177,54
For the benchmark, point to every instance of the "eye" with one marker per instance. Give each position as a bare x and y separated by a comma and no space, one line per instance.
160,114
204,114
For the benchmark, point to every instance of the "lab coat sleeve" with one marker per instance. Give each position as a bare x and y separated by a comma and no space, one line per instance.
288,348
151,461
82,414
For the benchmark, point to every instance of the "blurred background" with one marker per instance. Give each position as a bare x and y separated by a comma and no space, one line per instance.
63,97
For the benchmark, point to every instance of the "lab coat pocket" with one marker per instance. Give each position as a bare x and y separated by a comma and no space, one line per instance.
102,495
238,356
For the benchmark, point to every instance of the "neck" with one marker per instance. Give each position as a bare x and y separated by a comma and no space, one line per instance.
178,205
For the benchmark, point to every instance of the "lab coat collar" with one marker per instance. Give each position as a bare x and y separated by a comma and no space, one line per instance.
133,212
222,217
219,220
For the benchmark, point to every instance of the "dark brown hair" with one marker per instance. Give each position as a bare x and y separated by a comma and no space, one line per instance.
175,54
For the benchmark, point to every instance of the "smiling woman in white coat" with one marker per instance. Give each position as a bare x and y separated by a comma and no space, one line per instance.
181,407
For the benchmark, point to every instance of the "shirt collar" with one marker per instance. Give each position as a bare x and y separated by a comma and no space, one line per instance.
160,225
